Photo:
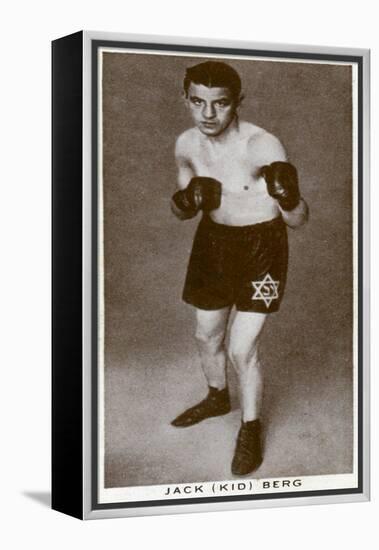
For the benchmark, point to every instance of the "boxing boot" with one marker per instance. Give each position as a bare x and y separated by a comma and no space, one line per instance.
216,403
248,451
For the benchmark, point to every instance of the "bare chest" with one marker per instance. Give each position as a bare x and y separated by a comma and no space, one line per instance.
233,166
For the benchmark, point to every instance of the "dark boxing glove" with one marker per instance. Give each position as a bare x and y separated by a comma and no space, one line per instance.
282,184
200,194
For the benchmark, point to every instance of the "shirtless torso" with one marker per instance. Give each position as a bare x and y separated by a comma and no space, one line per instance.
234,158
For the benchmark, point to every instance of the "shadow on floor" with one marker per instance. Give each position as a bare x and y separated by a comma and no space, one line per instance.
42,497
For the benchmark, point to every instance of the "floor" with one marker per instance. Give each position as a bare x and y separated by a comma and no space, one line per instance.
307,412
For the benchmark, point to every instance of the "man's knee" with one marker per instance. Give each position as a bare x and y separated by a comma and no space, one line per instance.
210,340
242,356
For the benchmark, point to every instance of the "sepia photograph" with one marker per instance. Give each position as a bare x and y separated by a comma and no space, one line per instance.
227,286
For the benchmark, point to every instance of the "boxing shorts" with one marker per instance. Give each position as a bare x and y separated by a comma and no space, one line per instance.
245,266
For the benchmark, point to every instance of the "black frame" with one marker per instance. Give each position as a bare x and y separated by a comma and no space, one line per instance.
67,432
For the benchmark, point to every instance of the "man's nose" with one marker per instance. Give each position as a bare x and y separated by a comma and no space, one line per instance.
209,111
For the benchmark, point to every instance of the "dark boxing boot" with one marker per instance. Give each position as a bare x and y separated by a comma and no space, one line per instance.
216,403
248,452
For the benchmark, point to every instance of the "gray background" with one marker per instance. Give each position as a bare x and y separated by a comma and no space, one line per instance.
152,371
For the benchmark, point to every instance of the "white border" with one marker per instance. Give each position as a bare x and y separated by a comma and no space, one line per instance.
355,259
87,37
156,492
227,488
218,56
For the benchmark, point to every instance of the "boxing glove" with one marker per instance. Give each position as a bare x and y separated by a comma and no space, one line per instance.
200,194
282,184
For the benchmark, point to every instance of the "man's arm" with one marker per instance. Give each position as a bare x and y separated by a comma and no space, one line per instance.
282,180
283,186
185,174
298,216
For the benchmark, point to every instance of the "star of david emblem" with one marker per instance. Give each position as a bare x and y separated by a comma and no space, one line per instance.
266,290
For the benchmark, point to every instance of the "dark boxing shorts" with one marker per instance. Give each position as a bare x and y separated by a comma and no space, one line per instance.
245,266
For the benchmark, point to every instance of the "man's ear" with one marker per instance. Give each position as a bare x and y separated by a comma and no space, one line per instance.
185,98
240,101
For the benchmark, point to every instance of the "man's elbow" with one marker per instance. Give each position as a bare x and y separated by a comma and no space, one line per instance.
297,217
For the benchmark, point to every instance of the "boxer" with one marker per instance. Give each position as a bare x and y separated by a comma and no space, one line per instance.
237,177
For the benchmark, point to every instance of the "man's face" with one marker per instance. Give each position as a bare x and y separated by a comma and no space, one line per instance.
212,109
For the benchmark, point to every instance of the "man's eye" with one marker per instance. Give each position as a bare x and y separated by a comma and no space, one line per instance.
196,101
222,103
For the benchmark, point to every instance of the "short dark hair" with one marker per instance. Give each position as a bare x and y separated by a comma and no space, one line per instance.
214,74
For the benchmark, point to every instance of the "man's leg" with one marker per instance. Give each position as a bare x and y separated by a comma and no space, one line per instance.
210,336
243,353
